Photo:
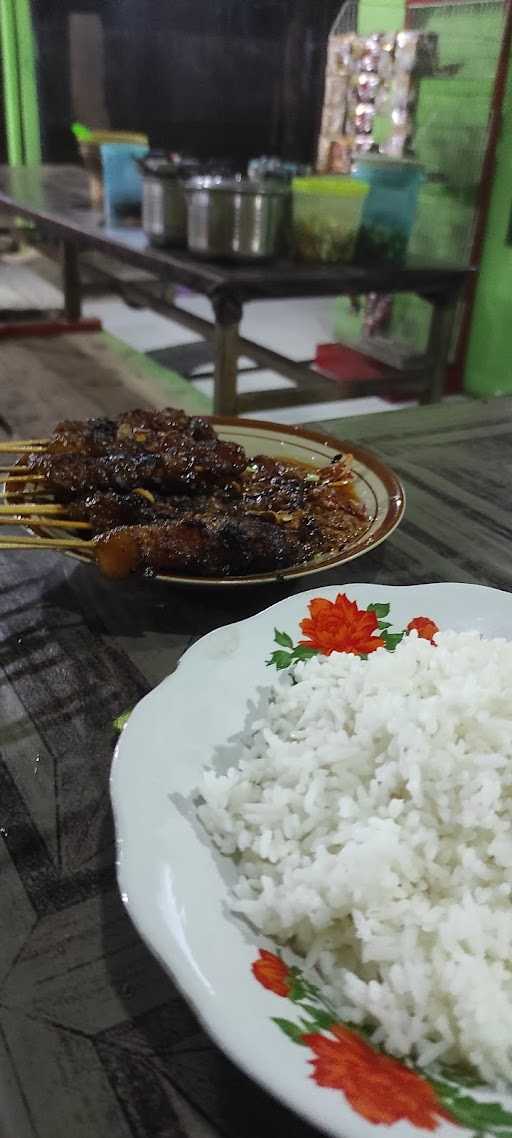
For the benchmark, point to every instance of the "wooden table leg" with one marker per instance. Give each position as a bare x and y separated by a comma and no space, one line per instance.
439,343
226,369
71,282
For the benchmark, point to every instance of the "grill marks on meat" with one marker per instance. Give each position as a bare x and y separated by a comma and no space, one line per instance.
319,507
163,493
275,487
203,547
143,426
108,510
94,436
274,517
132,431
187,465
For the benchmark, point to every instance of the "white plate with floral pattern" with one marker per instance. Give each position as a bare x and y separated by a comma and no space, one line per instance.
252,998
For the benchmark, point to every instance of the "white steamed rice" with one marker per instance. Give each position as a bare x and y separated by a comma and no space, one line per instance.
371,812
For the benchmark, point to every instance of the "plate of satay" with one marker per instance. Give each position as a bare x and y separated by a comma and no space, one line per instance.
196,500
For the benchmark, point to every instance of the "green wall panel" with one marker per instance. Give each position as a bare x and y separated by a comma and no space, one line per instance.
489,361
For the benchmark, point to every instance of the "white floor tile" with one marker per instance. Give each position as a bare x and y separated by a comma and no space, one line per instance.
317,412
256,381
21,287
205,386
243,364
140,328
291,327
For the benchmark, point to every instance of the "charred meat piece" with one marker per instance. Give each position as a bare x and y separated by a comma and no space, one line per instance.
144,427
275,487
92,436
107,509
133,430
186,466
202,547
319,505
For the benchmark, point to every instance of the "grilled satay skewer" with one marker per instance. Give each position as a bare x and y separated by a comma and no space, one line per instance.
138,429
144,429
186,466
200,547
205,548
314,505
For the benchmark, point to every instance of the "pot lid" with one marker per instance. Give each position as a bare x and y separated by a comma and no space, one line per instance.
163,165
215,184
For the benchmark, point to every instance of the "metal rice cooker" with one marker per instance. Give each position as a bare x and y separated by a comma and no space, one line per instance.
236,218
164,211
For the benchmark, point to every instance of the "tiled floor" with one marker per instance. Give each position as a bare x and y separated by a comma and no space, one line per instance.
291,327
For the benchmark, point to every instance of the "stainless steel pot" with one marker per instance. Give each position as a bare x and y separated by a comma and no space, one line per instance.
164,210
236,218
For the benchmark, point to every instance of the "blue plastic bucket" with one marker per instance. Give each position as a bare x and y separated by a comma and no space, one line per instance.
390,208
122,181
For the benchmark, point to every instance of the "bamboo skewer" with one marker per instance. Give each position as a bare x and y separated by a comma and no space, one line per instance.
18,446
18,499
50,514
28,520
14,469
27,478
45,543
12,449
31,508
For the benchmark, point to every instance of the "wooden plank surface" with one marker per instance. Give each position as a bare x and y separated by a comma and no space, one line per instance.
81,375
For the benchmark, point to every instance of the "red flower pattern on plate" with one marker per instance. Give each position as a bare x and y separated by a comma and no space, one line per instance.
380,1089
340,626
424,626
272,973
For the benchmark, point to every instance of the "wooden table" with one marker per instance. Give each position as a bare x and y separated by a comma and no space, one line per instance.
95,1041
56,199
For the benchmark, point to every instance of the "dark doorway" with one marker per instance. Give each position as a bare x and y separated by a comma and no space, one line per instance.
212,77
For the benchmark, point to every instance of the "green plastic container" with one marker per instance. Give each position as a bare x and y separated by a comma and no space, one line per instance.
326,217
